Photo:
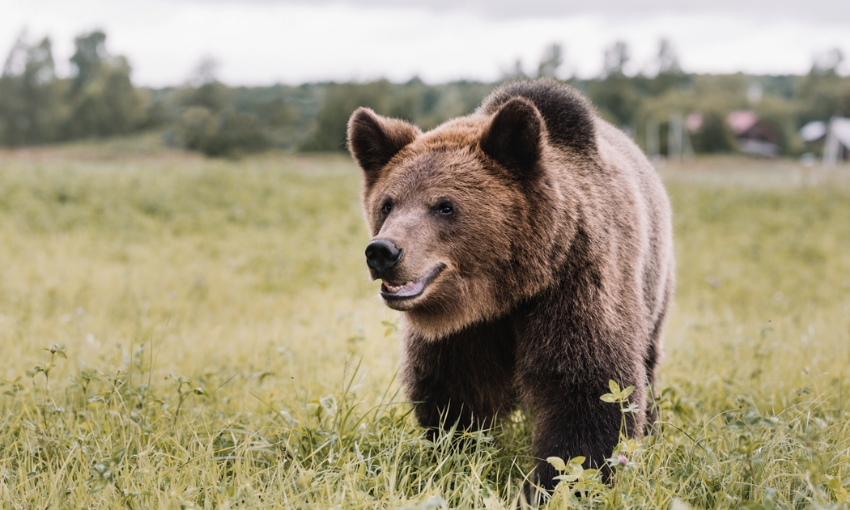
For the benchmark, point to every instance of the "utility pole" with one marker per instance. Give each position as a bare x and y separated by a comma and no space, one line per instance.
674,138
831,147
653,146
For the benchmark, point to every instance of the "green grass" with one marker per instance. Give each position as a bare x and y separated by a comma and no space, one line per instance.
220,345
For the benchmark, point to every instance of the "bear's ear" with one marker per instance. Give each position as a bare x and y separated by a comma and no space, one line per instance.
513,138
373,140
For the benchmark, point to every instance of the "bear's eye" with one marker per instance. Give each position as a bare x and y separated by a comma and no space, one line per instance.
386,208
445,209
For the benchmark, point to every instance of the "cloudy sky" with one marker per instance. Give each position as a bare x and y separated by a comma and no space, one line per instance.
265,41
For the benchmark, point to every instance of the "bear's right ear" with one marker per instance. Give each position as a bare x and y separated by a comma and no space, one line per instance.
373,140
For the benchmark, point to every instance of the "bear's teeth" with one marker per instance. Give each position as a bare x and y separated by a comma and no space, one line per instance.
395,288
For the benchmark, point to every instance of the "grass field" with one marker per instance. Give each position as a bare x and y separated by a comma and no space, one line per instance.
187,333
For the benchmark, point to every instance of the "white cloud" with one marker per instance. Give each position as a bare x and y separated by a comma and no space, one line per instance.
263,42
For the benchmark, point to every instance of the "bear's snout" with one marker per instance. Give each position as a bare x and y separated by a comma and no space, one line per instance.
381,255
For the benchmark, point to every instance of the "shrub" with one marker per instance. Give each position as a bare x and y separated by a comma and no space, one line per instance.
226,133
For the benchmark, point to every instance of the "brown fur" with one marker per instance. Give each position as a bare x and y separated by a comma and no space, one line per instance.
557,262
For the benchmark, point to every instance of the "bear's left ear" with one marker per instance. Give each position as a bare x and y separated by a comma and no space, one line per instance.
513,137
373,140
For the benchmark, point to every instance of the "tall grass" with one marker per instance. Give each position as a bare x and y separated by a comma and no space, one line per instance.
184,333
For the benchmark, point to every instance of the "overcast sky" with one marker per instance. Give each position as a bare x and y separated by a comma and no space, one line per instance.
260,42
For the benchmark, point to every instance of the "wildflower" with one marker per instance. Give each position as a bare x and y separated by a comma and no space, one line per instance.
622,459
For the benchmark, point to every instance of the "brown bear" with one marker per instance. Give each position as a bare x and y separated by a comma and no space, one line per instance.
528,246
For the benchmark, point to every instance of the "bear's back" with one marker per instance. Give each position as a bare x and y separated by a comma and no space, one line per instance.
568,115
622,193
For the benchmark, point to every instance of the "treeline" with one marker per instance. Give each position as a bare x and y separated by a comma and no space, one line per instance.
99,100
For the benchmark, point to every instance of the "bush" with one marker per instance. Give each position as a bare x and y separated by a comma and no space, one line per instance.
223,134
341,100
714,135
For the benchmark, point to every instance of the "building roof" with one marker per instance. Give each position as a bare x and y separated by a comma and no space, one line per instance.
742,120
837,126
814,130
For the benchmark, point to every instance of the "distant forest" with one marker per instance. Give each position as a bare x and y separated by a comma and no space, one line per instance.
99,100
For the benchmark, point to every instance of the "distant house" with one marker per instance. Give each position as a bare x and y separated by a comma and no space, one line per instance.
833,136
755,136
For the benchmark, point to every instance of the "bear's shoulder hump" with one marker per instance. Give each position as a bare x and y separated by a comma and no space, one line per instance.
569,117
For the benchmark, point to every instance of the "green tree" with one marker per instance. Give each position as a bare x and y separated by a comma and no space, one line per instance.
823,93
212,95
108,104
616,57
89,55
668,72
103,100
553,58
205,89
341,100
30,110
615,94
828,62
210,123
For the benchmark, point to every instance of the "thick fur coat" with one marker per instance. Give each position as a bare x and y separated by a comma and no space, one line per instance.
529,248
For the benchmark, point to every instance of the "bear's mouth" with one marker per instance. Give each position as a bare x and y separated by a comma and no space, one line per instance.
395,291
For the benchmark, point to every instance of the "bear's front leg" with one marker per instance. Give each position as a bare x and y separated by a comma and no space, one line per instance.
464,379
570,420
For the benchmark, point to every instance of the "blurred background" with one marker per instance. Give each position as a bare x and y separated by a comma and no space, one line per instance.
225,77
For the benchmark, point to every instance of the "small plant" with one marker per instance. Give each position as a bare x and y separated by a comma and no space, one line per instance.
751,439
183,394
83,381
627,447
621,398
577,486
103,472
54,350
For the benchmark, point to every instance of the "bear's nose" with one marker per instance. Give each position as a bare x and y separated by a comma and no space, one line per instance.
382,254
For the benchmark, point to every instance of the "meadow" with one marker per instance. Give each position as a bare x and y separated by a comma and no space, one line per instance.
179,332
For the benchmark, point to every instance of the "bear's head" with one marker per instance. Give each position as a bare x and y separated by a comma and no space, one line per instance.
464,218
